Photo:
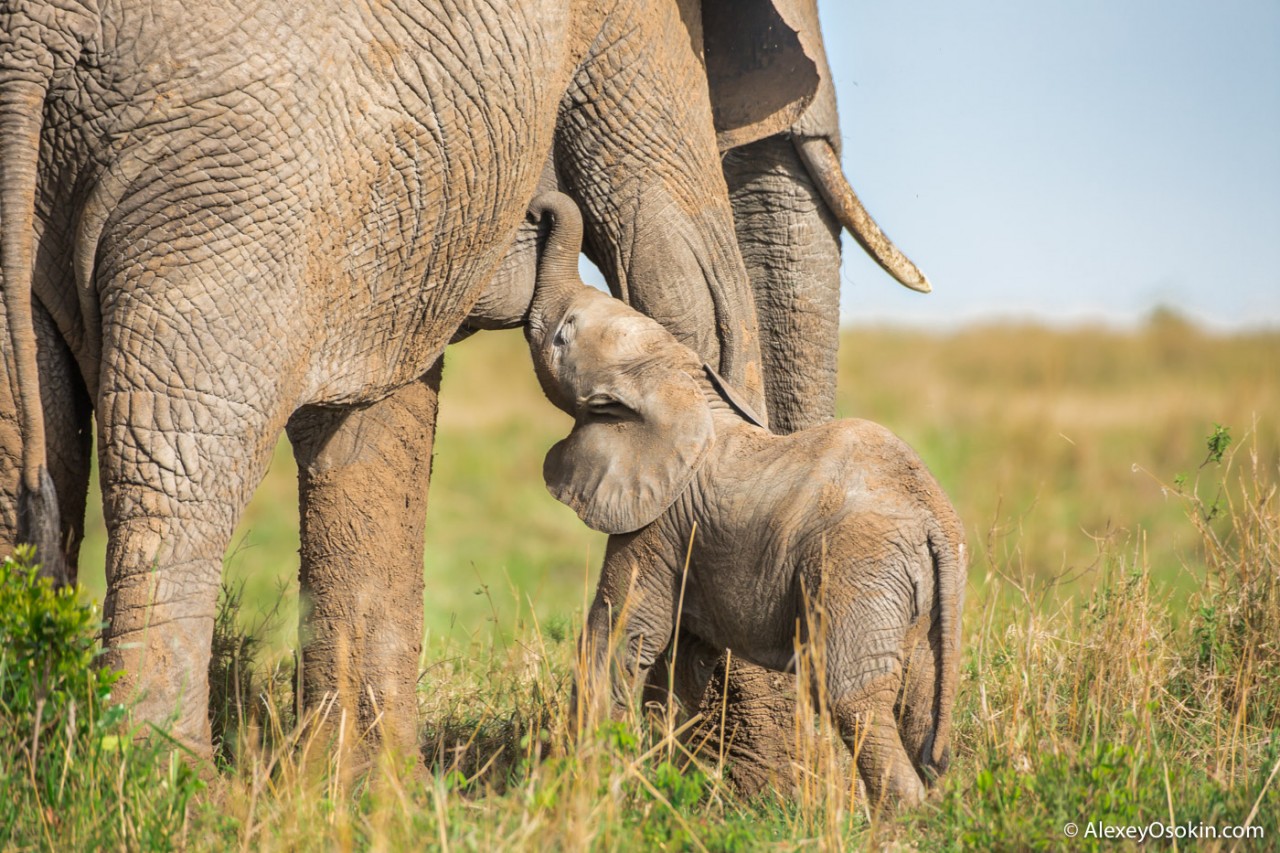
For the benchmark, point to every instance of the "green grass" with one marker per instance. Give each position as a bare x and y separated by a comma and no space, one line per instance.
1121,663
1064,437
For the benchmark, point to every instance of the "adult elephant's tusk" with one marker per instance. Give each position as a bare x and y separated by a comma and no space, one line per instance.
824,167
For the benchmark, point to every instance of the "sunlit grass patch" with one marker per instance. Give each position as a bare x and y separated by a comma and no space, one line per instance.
1113,708
72,774
1121,630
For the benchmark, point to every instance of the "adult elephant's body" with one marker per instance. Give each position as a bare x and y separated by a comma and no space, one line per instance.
280,214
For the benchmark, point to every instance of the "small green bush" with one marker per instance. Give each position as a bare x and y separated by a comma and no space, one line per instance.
72,775
47,672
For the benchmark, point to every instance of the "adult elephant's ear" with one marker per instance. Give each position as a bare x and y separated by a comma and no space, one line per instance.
761,72
637,442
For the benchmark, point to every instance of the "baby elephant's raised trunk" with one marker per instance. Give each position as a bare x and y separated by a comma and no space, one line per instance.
558,280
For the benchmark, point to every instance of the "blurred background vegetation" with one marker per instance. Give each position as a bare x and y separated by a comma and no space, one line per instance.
1047,441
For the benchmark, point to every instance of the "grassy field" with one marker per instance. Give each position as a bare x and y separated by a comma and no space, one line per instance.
1122,623
1052,439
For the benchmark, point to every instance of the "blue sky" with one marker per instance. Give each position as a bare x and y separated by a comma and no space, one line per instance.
1064,161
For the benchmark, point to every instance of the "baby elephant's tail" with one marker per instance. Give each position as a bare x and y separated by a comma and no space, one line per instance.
949,563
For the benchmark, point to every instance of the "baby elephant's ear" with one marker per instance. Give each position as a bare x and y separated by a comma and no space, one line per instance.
637,442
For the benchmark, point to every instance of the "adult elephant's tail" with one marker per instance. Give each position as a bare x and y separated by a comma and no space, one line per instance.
949,563
21,111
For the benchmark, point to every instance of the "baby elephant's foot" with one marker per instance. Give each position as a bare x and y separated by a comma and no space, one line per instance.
883,763
899,787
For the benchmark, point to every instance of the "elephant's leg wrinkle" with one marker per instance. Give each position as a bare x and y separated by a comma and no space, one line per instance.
363,476
592,689
748,717
163,575
629,625
172,494
790,243
748,713
867,725
863,681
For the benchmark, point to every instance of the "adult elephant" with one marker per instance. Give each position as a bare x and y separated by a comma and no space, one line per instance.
275,218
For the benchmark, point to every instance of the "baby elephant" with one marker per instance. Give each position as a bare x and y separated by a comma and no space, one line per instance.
841,520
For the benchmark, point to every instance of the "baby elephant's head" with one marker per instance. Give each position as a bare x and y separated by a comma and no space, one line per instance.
642,423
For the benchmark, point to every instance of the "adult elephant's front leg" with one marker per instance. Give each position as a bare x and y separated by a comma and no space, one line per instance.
362,480
790,243
747,713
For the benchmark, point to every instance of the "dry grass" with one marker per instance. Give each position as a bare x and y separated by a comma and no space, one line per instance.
1122,662
1068,437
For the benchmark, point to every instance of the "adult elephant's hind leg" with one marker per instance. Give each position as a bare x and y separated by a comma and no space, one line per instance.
183,447
748,715
362,479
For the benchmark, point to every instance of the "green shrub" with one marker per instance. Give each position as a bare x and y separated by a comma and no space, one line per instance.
72,775
47,672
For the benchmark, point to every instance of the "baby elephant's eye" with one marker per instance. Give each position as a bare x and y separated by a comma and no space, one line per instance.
564,333
601,405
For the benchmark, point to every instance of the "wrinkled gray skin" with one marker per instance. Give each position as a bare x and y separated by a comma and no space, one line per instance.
790,200
217,226
212,230
838,527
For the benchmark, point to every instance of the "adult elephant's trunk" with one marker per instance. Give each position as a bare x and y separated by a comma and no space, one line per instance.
21,109
824,167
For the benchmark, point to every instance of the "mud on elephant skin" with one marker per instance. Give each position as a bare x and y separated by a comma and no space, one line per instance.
839,529
790,199
277,216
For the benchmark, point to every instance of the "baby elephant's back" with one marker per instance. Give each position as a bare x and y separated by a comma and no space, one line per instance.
894,465
880,475
880,528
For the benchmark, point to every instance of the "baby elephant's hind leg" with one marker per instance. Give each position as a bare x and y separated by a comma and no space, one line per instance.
917,709
864,677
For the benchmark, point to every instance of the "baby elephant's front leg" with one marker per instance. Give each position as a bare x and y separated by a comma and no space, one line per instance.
629,626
